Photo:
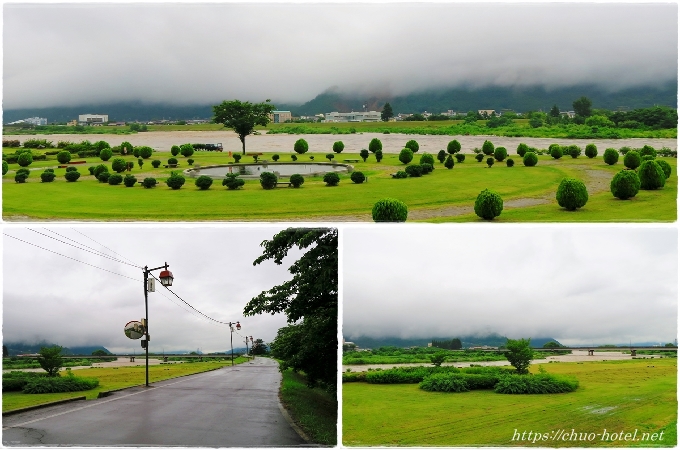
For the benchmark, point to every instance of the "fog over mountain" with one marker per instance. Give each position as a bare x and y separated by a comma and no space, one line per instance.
75,54
581,285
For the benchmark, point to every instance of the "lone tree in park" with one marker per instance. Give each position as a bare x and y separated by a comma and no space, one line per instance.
242,116
386,113
438,358
310,301
50,360
519,353
259,348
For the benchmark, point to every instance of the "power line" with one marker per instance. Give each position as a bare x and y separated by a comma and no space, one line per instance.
114,252
69,257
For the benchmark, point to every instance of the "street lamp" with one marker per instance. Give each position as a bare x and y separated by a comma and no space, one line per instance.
166,280
231,335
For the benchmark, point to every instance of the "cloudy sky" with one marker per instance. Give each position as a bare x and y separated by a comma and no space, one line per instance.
50,297
71,54
580,285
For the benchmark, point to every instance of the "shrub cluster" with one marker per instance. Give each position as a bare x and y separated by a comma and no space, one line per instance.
72,175
232,181
651,175
535,384
460,157
414,170
400,174
374,145
389,210
413,145
47,385
148,183
453,147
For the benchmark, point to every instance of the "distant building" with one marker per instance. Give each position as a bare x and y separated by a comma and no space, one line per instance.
486,112
31,120
280,116
361,116
72,123
570,114
93,119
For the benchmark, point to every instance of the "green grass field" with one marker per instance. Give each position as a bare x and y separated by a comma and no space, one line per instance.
114,378
615,395
442,196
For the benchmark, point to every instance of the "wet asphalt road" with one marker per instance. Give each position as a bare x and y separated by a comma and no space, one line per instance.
229,407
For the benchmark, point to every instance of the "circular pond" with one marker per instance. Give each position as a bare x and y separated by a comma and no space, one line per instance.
253,170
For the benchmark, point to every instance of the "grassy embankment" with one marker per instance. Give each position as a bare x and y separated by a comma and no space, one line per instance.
111,378
613,395
442,196
314,410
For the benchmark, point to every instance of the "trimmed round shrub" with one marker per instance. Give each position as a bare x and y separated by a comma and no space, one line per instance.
175,181
47,177
574,151
5,167
232,181
509,162
203,182
426,158
374,145
237,158
632,160
118,165
300,146
487,148
99,169
441,156
665,167
293,157
104,177
64,157
413,145
268,180
106,154
500,153
338,146
330,156
189,161
364,154
460,157
357,177
647,150
591,151
401,174
449,162
72,176
651,175
115,179
378,155
489,161
49,385
71,169
331,179
572,194
479,157
125,148
24,171
453,147
156,163
90,169
135,152
414,170
186,150
20,177
148,183
174,150
129,180
556,151
406,155
611,156
522,149
275,158
648,158
296,180
530,159
172,161
25,159
427,168
625,184
46,170
488,205
389,210
145,152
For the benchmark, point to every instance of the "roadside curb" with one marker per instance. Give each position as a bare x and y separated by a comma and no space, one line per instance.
42,405
292,423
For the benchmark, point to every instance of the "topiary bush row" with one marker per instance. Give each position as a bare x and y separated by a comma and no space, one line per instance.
501,382
48,385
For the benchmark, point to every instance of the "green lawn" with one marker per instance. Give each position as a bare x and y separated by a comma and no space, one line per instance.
616,396
114,378
442,196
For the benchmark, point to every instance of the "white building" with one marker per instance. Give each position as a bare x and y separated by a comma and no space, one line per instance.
31,120
361,116
93,119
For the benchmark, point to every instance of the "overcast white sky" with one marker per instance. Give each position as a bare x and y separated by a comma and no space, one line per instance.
580,285
71,54
50,297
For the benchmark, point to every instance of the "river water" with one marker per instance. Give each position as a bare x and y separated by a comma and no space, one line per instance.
283,143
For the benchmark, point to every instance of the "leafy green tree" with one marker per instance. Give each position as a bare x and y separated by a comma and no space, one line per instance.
242,117
386,113
378,155
519,353
441,156
309,300
50,360
438,358
449,162
5,167
99,352
583,107
364,154
259,348
554,112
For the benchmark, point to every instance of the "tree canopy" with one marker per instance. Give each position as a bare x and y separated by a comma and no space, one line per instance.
309,300
519,353
386,113
242,117
583,107
50,360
